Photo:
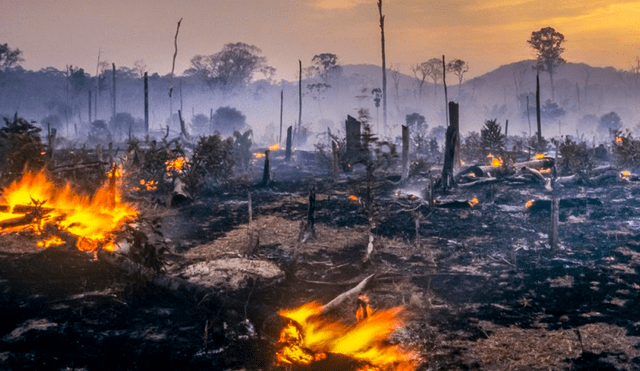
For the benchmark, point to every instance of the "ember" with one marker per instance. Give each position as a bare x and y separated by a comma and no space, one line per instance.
618,139
274,147
259,154
308,338
473,202
625,174
353,198
35,201
529,203
495,161
175,165
539,156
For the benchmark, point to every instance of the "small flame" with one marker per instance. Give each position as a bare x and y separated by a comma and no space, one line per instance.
353,198
274,147
51,241
364,310
308,338
259,154
176,164
473,202
625,174
471,175
545,171
148,185
496,161
462,162
529,203
618,139
539,156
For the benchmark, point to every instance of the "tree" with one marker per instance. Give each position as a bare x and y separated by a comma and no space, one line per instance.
491,137
200,123
458,67
230,68
416,122
227,120
324,66
548,46
139,68
420,73
384,68
9,57
609,123
434,70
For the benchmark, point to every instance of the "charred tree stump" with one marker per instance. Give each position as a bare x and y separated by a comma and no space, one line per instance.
90,121
113,65
146,103
183,127
288,149
308,231
281,110
266,174
450,148
405,152
51,139
353,139
253,233
335,159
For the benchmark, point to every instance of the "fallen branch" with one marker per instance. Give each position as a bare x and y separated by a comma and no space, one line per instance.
346,295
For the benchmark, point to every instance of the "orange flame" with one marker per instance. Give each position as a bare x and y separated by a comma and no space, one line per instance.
496,161
618,139
364,310
545,171
539,156
274,147
149,185
353,198
529,203
92,219
473,202
259,154
309,338
471,175
176,164
625,174
51,241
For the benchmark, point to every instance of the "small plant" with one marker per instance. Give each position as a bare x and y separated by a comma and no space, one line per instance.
20,148
212,162
491,138
574,158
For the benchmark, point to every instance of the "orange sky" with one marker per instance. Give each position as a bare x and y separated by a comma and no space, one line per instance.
486,33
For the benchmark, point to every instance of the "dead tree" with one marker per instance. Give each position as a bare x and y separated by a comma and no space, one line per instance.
444,82
266,174
113,65
450,148
335,159
308,230
183,127
288,148
405,152
90,121
51,139
281,110
384,70
538,111
173,67
353,139
299,95
146,103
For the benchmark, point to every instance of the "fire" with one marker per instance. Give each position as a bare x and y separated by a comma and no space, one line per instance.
274,147
529,203
618,139
495,161
625,174
149,185
364,310
539,156
309,338
176,164
471,175
259,154
35,201
353,198
546,171
51,241
473,202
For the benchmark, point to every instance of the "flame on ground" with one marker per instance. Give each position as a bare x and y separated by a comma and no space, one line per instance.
353,198
619,139
176,164
545,171
259,155
92,219
51,241
473,202
539,156
149,185
529,203
495,161
274,147
308,338
625,174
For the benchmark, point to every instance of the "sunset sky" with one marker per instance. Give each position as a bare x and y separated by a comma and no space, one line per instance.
486,33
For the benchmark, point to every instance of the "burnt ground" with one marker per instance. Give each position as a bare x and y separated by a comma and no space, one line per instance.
483,289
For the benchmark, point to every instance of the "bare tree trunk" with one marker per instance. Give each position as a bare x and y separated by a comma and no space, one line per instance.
299,96
405,152
266,174
288,148
450,149
281,109
146,103
113,112
538,111
173,66
384,70
89,110
446,98
528,116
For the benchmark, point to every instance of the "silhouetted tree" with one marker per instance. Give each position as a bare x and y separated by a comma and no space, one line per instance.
491,137
609,123
9,57
227,120
458,67
548,46
324,66
230,68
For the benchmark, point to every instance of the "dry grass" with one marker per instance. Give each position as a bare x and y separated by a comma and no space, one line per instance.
514,348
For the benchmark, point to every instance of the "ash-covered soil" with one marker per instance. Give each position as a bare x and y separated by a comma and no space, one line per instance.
483,288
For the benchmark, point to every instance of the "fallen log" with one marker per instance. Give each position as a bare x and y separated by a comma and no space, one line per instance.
546,183
350,294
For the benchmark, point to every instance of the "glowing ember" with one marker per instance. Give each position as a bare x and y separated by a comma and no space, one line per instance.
149,185
364,310
618,139
545,171
274,147
308,338
259,154
496,161
539,156
471,175
176,164
473,202
35,201
625,174
529,203
353,198
51,241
